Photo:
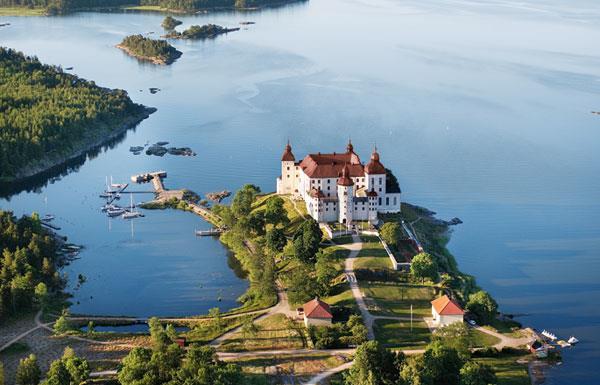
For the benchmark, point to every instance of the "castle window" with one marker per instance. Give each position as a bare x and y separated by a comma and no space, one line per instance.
288,168
380,180
395,201
379,189
372,180
380,201
288,175
387,201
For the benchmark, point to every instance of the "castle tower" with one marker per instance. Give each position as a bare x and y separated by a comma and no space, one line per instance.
345,191
287,182
375,174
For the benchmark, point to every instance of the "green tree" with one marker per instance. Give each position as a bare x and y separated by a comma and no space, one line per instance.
90,328
1,373
242,201
256,223
137,368
456,336
390,233
275,212
78,368
373,365
158,335
169,23
483,306
57,374
41,294
306,241
171,332
28,371
423,267
302,286
325,272
441,364
475,373
216,320
62,325
249,329
275,239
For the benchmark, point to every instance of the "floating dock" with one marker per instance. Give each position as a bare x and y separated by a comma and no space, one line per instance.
209,233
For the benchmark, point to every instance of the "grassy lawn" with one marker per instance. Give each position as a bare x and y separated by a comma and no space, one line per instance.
274,332
508,370
510,328
397,334
343,240
203,333
342,296
480,339
22,11
395,300
373,256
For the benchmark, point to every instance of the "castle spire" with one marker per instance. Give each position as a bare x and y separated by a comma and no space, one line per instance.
288,156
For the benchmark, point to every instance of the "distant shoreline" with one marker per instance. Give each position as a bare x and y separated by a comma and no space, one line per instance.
92,141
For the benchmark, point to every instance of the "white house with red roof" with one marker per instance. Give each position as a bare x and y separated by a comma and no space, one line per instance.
446,311
317,313
337,187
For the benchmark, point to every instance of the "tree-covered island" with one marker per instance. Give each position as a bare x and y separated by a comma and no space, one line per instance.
207,31
169,23
48,116
154,51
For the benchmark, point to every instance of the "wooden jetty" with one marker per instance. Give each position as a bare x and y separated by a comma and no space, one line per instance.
209,233
148,176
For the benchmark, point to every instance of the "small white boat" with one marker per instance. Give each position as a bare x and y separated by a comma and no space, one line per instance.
572,340
115,212
131,213
549,335
48,217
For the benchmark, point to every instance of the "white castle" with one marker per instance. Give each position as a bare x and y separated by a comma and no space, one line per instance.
338,187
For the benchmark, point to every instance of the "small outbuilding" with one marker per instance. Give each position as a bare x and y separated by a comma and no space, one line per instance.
317,313
446,311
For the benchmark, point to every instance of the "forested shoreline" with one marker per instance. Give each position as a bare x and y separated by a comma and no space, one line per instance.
49,116
29,264
56,7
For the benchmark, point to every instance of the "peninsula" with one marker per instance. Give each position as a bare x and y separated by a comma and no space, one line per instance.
64,116
154,51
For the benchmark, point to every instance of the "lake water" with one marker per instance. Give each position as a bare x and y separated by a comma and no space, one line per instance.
482,109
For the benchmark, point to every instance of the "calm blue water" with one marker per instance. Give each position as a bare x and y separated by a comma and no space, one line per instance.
482,109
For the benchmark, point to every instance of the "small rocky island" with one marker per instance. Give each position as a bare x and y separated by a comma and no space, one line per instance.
155,51
207,31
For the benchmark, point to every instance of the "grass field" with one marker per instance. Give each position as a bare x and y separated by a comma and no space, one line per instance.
373,256
274,332
480,339
395,300
22,11
397,334
508,370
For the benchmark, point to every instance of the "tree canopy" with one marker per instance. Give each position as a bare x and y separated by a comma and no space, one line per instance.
390,233
46,112
306,241
482,306
423,267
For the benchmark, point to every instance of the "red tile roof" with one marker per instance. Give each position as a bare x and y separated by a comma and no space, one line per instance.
317,309
445,306
344,179
374,166
331,165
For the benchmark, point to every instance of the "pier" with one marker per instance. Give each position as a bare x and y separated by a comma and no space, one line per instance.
164,194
